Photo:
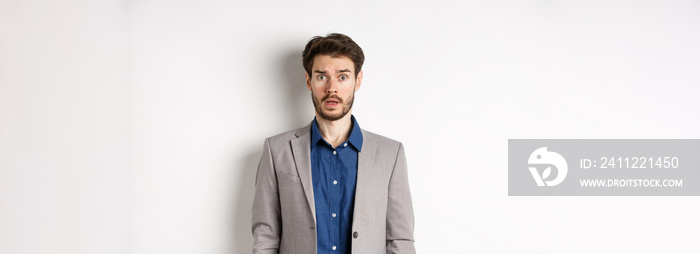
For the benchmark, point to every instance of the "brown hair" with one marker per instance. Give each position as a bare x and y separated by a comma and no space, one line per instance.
334,45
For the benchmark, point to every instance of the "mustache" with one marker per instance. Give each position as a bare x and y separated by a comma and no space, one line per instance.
332,96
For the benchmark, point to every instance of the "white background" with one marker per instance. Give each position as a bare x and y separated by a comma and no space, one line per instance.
136,126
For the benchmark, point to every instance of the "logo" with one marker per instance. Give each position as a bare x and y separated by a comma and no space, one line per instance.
543,157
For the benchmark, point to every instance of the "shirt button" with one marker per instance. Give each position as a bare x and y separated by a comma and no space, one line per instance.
346,144
354,235
333,215
334,152
334,247
335,182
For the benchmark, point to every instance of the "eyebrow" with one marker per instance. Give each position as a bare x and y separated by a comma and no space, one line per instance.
324,72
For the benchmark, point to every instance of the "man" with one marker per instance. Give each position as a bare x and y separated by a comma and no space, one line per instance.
331,187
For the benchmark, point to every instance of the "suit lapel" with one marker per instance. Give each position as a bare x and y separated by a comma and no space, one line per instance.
301,148
365,163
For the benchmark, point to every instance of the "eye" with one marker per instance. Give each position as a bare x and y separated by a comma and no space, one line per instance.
343,77
321,77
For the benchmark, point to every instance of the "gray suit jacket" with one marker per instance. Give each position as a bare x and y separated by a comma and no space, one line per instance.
284,219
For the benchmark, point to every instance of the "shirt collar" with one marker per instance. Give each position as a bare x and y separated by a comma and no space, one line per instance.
355,139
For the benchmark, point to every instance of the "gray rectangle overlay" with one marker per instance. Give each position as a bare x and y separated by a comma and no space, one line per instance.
603,167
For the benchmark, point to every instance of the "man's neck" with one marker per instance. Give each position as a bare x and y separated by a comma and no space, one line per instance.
335,132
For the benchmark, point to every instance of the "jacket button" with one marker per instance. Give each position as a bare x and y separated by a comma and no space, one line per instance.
354,235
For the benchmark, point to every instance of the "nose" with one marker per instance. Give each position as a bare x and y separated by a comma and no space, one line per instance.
332,86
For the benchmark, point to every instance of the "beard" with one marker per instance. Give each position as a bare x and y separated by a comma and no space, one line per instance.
318,105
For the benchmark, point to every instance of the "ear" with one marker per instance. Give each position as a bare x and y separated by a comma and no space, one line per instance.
308,81
358,81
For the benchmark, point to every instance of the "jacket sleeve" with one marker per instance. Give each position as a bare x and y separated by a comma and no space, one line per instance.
267,222
399,217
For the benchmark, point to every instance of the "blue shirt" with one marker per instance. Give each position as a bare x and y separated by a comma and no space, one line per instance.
334,174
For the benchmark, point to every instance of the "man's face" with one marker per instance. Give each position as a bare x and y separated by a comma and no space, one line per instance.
333,85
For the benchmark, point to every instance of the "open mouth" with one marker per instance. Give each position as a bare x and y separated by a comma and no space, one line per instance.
331,103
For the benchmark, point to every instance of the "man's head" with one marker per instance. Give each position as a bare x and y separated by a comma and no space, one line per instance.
334,45
333,67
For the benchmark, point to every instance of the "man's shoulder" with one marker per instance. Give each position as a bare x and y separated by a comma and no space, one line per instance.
368,136
287,135
379,140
